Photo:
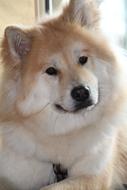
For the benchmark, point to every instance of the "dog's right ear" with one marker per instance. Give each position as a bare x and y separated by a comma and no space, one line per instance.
83,12
17,42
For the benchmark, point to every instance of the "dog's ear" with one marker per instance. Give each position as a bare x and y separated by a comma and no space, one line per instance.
83,12
18,43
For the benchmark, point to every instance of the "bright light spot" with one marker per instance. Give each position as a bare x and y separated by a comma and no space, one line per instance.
113,22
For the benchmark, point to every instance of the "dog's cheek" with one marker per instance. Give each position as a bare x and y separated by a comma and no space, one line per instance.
35,101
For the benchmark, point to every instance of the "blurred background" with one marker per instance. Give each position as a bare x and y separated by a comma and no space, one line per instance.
114,14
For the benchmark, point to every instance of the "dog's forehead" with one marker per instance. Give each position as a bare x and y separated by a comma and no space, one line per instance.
64,38
57,38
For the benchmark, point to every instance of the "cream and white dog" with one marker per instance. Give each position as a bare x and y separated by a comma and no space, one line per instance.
63,100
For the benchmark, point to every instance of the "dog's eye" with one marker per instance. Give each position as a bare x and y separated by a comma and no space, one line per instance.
83,60
51,71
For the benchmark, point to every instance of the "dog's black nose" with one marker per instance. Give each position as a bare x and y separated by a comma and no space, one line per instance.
80,93
82,97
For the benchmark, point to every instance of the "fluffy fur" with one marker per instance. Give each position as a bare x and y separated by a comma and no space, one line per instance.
34,134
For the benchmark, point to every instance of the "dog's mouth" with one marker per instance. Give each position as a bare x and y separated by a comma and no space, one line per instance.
60,108
77,107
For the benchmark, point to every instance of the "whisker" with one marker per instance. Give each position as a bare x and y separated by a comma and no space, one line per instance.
44,107
34,114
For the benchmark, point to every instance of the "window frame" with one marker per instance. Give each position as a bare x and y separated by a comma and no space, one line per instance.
41,7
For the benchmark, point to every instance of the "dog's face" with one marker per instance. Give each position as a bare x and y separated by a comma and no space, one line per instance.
65,70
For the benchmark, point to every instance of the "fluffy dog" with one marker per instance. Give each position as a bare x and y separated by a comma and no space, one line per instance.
63,102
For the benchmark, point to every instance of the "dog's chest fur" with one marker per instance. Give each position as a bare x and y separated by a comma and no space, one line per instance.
28,159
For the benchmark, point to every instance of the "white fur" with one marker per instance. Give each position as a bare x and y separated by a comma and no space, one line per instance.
53,137
34,102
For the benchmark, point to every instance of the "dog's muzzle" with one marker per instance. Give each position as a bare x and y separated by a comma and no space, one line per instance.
81,97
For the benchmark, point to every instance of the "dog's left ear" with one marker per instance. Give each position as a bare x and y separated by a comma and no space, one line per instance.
83,12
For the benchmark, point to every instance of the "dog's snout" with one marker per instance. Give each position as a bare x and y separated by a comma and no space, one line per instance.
80,93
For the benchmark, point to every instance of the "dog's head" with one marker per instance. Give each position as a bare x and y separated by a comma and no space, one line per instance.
65,66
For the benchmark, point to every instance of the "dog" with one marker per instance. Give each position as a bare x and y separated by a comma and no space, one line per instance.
63,105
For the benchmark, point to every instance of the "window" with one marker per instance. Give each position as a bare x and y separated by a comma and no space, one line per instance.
48,6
